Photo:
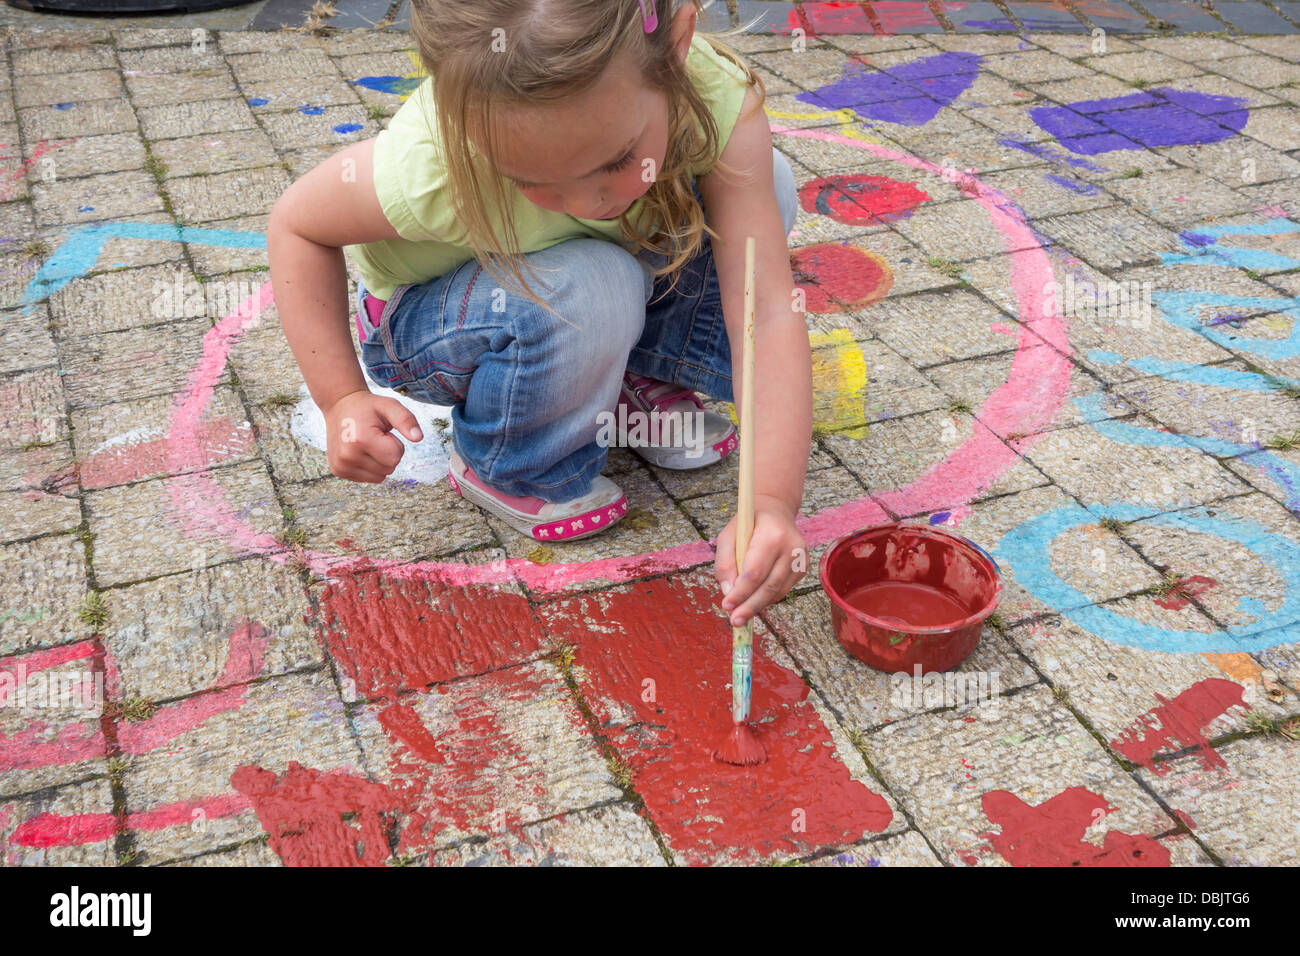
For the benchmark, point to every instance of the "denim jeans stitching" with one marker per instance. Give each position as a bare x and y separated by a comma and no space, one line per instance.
464,300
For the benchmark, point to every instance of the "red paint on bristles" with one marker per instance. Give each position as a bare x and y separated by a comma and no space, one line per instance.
741,747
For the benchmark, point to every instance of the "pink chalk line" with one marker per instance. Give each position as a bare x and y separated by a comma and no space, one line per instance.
1029,400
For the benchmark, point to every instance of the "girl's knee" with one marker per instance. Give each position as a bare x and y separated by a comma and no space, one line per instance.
598,290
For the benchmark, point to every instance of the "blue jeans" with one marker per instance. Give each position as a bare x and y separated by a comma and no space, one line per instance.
525,387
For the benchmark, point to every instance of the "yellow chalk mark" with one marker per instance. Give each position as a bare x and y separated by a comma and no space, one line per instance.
839,376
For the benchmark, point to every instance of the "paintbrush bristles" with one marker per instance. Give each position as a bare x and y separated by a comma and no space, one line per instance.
741,748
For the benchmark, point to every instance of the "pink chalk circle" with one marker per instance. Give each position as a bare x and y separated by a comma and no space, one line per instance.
1025,403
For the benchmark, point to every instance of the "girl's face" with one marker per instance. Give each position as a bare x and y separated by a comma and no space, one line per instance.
590,157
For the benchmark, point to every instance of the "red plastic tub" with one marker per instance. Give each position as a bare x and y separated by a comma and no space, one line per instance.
903,595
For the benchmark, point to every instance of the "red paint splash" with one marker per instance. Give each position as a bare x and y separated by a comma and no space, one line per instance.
390,634
1178,723
1051,833
840,278
219,440
656,675
320,819
1181,594
858,199
827,17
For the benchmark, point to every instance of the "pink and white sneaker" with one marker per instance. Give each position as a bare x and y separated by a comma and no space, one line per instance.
538,518
669,426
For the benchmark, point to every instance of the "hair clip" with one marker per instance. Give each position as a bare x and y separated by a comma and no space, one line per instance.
649,16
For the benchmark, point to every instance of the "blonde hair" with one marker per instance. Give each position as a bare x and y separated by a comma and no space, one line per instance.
551,50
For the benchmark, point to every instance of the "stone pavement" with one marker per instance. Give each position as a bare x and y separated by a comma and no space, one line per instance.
1053,282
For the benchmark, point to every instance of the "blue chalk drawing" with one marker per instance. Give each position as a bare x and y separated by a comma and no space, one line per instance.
1024,550
79,252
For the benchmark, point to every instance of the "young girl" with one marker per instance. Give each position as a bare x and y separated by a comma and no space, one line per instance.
585,142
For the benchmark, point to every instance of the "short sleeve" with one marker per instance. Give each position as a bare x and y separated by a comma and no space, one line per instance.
410,177
722,84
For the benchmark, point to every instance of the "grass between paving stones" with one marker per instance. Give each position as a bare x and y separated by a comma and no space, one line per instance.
93,611
563,655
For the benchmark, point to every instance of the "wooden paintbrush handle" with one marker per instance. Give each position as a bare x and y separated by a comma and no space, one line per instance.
745,502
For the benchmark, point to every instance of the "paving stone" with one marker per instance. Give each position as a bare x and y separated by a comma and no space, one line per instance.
187,764
126,299
1115,685
264,363
26,343
52,727
976,16
142,530
1146,66
185,58
1180,198
904,17
21,846
1236,162
127,441
1109,238
289,459
252,853
1196,49
764,18
972,382
1011,121
1244,812
152,88
297,61
270,40
399,520
44,583
245,266
224,195
114,367
1258,70
719,478
39,491
133,39
1036,66
1186,16
1225,413
1113,16
95,198
1032,747
1278,126
33,409
215,152
1151,479
611,835
91,56
1037,16
1075,46
331,126
182,634
1092,86
905,849
175,120
55,88
86,156
895,454
1282,46
863,697
1038,192
518,729
970,326
1247,590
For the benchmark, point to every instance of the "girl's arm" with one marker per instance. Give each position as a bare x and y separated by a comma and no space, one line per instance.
334,205
743,206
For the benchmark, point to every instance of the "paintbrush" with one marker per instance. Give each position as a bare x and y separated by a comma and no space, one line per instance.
742,746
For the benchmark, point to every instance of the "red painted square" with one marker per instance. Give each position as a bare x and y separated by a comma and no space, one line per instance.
826,18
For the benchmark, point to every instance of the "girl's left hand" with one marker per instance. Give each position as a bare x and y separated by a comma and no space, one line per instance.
776,559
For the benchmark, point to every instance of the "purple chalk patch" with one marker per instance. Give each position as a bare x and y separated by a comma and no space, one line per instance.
1159,117
939,517
909,94
1073,185
1195,240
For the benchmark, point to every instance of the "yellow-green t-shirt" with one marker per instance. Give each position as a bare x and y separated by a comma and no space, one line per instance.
412,186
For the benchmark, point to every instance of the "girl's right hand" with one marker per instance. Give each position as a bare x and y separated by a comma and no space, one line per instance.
357,428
